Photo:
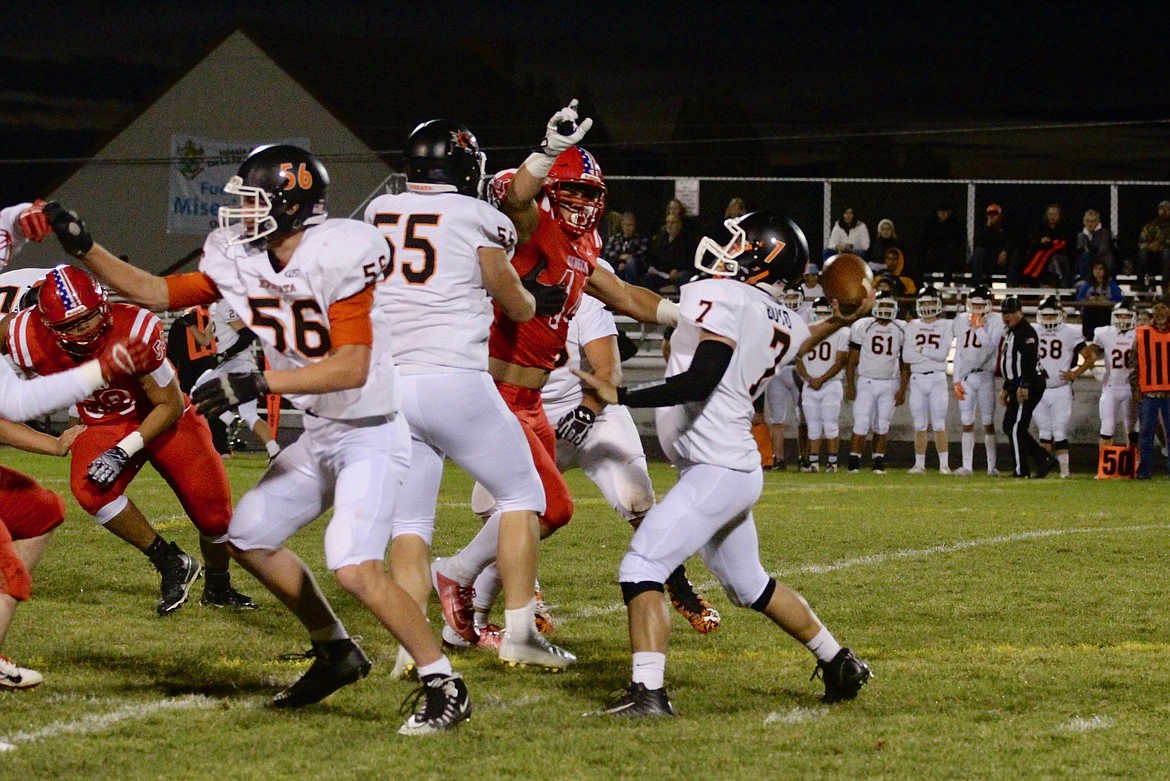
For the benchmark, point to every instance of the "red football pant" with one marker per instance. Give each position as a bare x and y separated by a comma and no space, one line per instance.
183,455
526,405
26,511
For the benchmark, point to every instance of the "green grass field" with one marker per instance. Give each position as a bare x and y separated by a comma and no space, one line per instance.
1017,629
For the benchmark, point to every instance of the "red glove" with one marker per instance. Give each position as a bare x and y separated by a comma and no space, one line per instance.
33,222
123,359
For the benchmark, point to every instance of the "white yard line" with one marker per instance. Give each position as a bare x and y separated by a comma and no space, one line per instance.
1079,724
100,722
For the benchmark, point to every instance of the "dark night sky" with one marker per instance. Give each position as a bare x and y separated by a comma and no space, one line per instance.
796,70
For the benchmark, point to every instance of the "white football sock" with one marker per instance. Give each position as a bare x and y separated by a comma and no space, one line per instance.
521,623
487,588
441,667
272,448
466,565
649,669
824,646
969,450
989,444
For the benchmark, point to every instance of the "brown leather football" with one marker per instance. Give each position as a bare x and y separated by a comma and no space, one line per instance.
848,279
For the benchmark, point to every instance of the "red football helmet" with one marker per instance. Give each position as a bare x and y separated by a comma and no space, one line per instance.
496,190
576,188
75,308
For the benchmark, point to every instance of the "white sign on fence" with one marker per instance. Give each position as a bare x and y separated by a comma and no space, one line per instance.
200,167
686,190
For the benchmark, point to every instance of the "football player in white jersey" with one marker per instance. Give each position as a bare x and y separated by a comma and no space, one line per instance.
977,335
1113,344
604,443
233,343
820,399
305,284
1059,348
783,392
731,337
18,288
452,251
925,351
875,379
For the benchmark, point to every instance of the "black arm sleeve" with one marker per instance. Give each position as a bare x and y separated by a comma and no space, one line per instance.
712,357
247,337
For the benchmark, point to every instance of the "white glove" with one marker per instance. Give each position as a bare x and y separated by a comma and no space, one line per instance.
563,131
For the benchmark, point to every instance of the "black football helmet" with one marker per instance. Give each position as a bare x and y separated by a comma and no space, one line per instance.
928,303
282,189
822,308
979,300
764,248
443,156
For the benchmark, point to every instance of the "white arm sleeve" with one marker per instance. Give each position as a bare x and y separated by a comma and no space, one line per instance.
24,399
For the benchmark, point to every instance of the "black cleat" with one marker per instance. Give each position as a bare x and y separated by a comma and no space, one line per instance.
179,573
778,465
225,596
336,663
701,614
639,702
879,465
843,677
1047,466
445,703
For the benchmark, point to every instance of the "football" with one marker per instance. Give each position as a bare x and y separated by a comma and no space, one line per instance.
848,279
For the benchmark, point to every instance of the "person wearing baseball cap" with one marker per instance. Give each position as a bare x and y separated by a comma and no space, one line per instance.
992,249
1154,249
1023,387
811,282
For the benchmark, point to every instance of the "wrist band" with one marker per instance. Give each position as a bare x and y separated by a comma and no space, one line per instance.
667,313
91,375
539,164
132,443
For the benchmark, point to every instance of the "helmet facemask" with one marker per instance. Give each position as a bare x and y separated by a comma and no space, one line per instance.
252,219
577,206
928,307
1123,319
885,308
1050,319
722,261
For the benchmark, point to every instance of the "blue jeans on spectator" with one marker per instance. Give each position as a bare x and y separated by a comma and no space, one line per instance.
1149,410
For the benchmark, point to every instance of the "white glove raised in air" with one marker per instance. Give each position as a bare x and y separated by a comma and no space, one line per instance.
564,131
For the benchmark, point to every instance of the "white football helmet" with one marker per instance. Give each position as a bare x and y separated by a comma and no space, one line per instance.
793,296
1124,318
979,301
885,307
928,303
1050,314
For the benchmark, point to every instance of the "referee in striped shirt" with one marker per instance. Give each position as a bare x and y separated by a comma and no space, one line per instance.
1150,377
1023,387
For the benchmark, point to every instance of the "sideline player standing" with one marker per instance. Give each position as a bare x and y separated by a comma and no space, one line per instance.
305,284
875,379
1114,343
135,420
1059,350
925,350
558,244
820,368
731,337
977,335
452,252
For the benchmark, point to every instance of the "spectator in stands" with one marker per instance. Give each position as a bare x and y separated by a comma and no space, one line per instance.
671,258
1154,249
810,283
886,238
1094,243
736,207
896,269
626,250
993,247
944,243
1051,244
1096,297
848,235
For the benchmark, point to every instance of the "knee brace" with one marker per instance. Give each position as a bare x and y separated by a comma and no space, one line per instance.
766,597
631,590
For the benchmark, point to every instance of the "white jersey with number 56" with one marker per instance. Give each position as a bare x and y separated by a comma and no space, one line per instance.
767,335
288,308
433,289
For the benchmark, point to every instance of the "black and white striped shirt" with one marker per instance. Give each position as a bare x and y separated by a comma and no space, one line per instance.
1019,358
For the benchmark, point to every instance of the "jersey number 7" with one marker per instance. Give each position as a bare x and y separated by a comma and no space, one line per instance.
780,339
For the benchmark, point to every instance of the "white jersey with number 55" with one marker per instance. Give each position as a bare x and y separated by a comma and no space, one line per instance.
767,335
433,289
288,308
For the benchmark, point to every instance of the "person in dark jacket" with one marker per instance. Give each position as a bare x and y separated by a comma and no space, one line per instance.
944,243
1051,247
1023,387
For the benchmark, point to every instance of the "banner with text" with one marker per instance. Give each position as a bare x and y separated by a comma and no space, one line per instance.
200,167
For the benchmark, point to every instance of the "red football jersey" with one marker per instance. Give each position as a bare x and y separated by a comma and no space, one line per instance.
34,348
570,263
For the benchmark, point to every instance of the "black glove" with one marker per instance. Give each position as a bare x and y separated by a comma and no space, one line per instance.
550,299
575,425
70,229
229,391
104,469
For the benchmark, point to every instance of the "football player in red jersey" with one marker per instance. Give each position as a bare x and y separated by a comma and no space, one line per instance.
556,199
133,420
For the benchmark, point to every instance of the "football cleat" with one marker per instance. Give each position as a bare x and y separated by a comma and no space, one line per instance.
455,599
225,596
701,615
13,677
843,677
944,469
879,465
639,702
916,470
179,573
404,664
544,619
993,473
854,464
490,637
779,465
534,650
1047,466
831,468
444,703
336,663
964,472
